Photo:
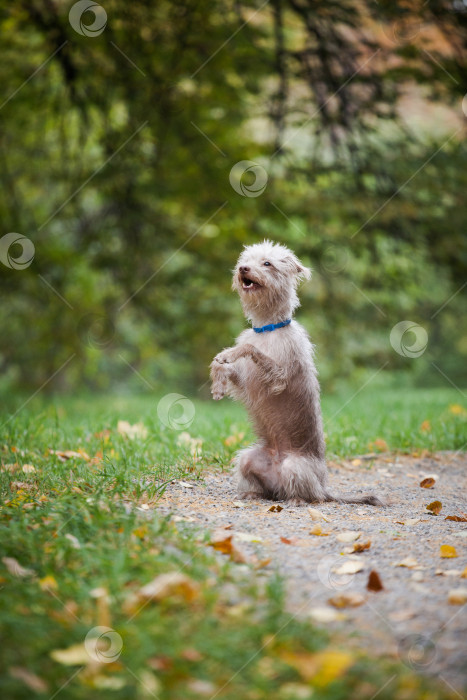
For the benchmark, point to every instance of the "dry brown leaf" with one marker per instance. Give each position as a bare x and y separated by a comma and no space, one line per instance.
222,542
33,682
446,551
374,582
409,521
351,566
76,655
275,508
15,568
361,546
425,427
316,514
63,455
138,430
435,507
191,654
408,562
457,518
261,563
169,585
427,483
402,615
449,572
457,596
379,445
348,536
347,600
356,462
28,468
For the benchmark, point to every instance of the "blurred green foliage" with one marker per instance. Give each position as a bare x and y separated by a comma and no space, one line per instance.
116,152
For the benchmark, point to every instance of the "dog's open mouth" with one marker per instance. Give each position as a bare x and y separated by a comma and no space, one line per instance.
248,284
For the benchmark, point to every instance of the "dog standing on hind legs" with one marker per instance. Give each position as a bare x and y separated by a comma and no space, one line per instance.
271,370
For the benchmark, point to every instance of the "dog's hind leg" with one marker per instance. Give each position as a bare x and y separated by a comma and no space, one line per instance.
256,473
301,479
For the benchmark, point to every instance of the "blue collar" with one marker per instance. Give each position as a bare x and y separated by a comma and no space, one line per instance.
272,326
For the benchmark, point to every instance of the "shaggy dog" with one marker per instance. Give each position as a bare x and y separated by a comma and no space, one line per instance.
271,370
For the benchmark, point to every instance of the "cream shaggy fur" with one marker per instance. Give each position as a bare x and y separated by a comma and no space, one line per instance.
273,374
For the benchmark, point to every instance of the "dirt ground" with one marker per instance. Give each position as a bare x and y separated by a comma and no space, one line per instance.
420,615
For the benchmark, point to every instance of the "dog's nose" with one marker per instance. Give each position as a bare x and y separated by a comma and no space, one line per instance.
244,269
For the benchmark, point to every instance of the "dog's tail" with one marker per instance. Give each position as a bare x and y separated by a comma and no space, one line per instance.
370,499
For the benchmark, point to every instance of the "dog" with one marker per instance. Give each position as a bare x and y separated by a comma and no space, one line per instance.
271,371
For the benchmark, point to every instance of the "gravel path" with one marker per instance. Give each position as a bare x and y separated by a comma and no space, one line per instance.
411,618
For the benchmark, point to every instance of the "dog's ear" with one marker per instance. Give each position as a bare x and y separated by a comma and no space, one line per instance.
299,270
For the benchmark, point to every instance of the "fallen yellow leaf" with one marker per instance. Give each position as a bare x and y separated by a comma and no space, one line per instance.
457,596
447,551
318,530
457,410
48,583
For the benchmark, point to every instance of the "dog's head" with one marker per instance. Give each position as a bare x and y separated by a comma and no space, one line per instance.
266,277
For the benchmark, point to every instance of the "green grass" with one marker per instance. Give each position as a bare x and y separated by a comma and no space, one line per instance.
79,525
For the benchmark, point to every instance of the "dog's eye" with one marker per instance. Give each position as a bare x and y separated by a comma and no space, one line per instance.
268,264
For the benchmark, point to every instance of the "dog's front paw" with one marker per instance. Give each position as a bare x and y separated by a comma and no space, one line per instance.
217,394
226,356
